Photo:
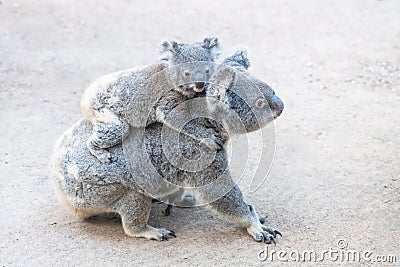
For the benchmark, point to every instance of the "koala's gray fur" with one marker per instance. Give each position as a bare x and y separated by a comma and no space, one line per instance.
88,187
140,96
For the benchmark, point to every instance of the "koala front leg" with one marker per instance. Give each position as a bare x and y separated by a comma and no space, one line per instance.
134,209
108,131
232,207
201,134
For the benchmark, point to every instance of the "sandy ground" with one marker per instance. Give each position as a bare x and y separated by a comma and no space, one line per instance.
336,65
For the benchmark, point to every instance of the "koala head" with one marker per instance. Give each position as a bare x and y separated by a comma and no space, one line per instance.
233,88
190,63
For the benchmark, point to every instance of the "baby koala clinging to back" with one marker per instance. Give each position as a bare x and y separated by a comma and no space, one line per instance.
140,96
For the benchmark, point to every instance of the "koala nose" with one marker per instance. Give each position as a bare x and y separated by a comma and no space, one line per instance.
199,85
277,105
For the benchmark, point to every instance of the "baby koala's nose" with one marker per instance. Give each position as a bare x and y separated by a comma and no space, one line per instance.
199,85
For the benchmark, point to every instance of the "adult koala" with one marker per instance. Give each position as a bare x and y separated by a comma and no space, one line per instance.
152,162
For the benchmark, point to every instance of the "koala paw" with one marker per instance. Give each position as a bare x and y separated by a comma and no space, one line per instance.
159,234
101,154
165,234
264,234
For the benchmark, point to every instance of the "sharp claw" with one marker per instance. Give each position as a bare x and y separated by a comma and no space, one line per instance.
172,233
273,231
269,240
269,236
277,232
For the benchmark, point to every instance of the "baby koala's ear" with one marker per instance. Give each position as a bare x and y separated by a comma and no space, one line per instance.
168,49
213,45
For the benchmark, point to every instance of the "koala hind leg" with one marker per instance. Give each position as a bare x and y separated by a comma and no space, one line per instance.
108,131
134,209
232,207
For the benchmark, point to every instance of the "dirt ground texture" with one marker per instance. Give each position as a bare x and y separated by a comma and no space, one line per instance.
335,64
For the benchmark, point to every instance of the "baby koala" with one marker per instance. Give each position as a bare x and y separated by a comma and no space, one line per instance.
140,96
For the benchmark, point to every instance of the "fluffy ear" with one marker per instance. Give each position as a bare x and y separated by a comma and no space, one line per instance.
168,49
239,59
212,44
242,57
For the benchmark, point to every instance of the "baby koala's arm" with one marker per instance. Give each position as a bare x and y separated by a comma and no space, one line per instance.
174,100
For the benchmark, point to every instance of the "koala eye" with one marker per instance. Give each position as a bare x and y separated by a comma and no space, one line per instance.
207,71
260,103
187,73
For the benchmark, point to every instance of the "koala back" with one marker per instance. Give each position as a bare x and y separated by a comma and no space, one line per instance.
127,93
